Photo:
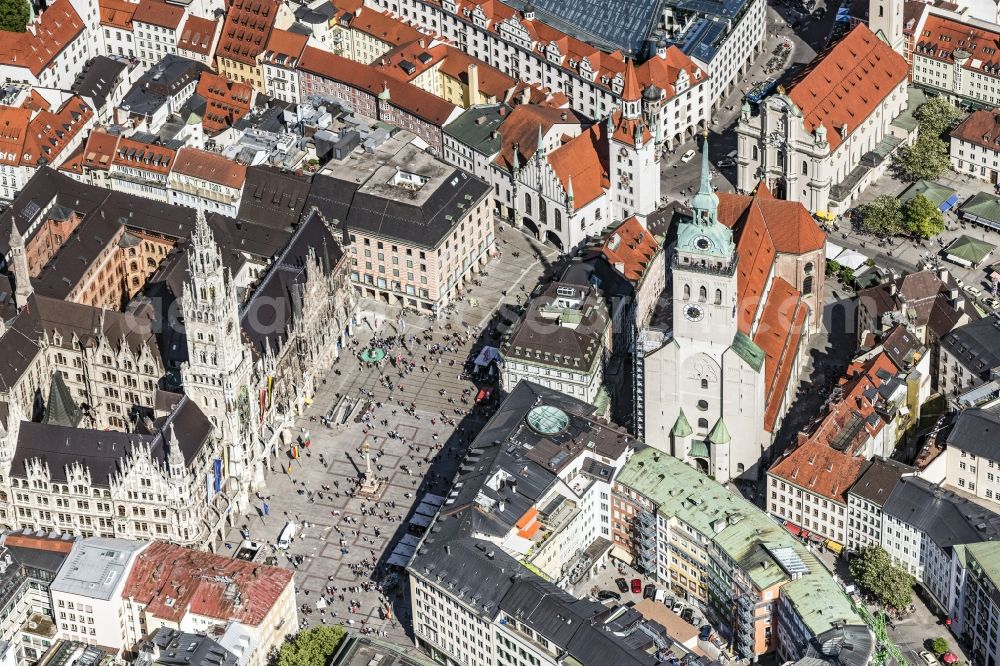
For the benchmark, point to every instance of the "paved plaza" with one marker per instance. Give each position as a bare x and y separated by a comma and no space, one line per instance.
339,537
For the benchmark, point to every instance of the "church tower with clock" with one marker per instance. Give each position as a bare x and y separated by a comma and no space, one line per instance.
704,269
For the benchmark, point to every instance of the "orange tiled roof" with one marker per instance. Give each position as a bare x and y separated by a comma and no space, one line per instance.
100,150
630,248
409,61
197,35
246,30
385,27
210,166
285,48
765,227
74,163
13,133
778,335
35,101
583,160
50,132
141,155
521,129
225,101
842,86
820,470
626,129
58,26
630,90
158,12
981,128
171,581
403,95
117,13
492,81
942,35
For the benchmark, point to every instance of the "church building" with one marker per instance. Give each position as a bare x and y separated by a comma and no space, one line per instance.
745,295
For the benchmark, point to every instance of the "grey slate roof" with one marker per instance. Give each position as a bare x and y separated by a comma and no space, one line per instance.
278,295
103,451
61,408
163,80
476,126
608,24
272,197
878,478
977,431
946,517
98,78
976,345
180,648
483,575
422,217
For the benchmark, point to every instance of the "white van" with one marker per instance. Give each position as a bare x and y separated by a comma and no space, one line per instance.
287,532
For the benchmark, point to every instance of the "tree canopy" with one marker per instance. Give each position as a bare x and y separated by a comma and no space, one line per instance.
922,218
312,647
939,646
14,15
882,216
936,116
926,159
874,571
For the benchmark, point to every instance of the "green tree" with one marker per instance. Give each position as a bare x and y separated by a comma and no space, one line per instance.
14,15
882,216
939,646
936,116
926,159
922,218
312,647
877,575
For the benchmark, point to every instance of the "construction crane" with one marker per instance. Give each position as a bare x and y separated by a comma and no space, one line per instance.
886,652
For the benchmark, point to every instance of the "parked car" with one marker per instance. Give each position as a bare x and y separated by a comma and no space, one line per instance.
636,585
649,592
622,584
725,162
604,595
688,615
688,156
992,302
705,632
677,607
929,659
972,290
660,595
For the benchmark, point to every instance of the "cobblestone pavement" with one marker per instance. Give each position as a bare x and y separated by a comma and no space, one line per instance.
339,535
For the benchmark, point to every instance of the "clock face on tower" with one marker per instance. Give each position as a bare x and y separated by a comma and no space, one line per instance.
693,312
703,243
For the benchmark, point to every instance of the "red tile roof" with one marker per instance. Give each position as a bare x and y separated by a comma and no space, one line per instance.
407,62
521,129
58,26
141,155
820,470
246,30
285,48
56,545
765,226
197,35
778,335
225,101
210,166
171,581
35,101
630,90
492,81
158,12
405,96
385,27
100,150
583,160
942,35
13,133
50,132
630,248
842,86
117,13
981,128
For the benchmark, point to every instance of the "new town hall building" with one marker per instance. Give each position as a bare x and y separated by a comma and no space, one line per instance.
151,365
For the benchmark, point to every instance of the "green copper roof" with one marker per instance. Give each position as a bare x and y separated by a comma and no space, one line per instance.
681,426
704,235
748,350
720,433
705,198
741,531
987,554
699,449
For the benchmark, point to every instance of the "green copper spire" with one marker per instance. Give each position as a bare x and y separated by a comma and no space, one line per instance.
704,240
681,426
720,433
705,202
